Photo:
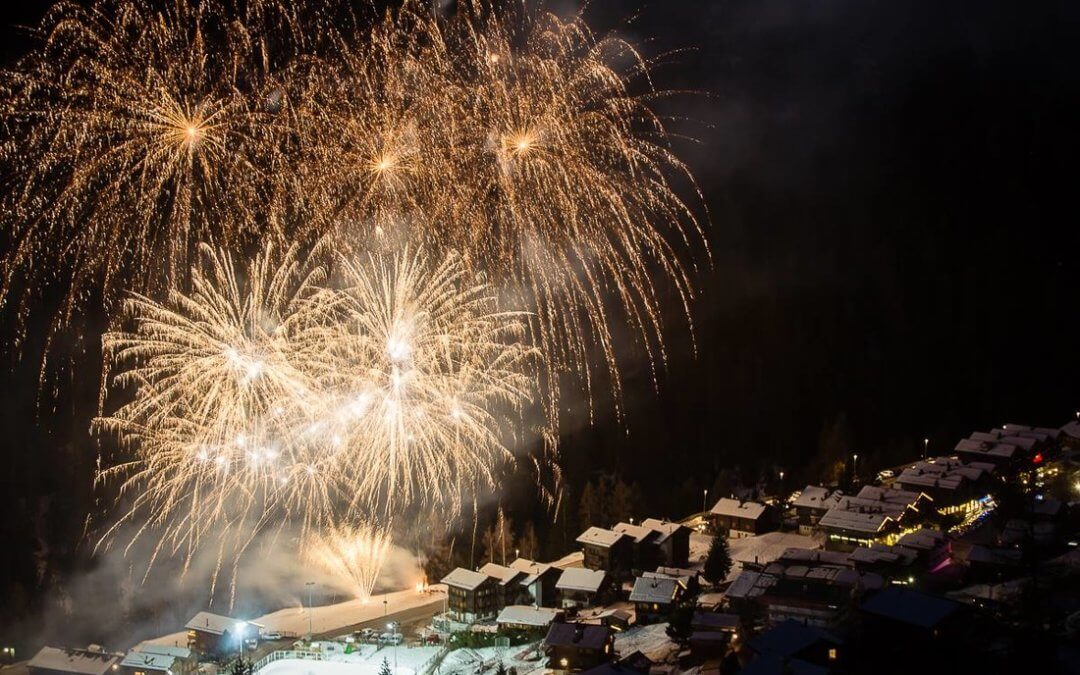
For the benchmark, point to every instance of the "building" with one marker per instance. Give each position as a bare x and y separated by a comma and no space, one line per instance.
573,647
471,596
955,486
673,541
715,621
217,635
735,519
58,661
655,596
508,584
910,616
523,617
791,647
875,515
581,587
646,551
607,550
149,659
812,503
539,581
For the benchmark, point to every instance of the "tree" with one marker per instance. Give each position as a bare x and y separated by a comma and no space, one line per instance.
718,560
500,669
590,508
384,669
680,622
528,545
498,539
622,501
242,667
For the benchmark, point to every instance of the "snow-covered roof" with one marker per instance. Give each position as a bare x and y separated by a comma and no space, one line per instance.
504,575
83,661
922,540
654,589
581,579
182,653
598,536
750,584
666,528
216,624
879,553
677,572
639,533
855,521
817,497
986,449
524,615
531,568
891,495
1072,429
737,509
150,661
463,578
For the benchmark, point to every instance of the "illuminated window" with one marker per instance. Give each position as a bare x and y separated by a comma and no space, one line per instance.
832,654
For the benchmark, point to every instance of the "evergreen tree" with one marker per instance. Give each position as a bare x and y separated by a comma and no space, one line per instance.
242,667
528,545
718,561
679,626
384,669
590,507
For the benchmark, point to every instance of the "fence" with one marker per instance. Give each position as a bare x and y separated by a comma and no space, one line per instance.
287,654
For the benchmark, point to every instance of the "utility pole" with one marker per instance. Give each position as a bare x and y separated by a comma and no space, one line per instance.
309,585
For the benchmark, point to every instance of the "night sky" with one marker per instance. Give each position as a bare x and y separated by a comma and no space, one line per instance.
891,190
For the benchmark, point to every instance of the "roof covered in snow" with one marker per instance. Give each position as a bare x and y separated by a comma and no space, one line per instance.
150,661
463,578
524,615
216,624
504,575
531,568
598,536
735,508
581,579
83,661
655,589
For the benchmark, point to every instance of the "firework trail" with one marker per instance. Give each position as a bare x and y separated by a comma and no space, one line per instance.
355,553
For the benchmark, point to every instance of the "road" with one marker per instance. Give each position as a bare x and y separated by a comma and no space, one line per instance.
405,616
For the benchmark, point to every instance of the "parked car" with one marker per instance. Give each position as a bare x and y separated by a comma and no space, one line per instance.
886,474
368,633
391,638
251,643
272,635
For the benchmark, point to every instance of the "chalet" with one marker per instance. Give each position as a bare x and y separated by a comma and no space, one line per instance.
573,647
523,617
673,541
735,519
539,581
1070,434
989,449
614,618
151,659
709,644
955,486
875,515
931,547
607,550
905,615
216,635
794,648
581,587
690,579
655,596
471,596
646,550
813,503
508,584
715,621
90,661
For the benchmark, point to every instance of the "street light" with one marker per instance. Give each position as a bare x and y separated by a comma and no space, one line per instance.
855,467
240,629
925,445
309,585
393,627
704,502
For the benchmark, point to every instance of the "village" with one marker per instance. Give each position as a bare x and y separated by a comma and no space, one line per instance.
969,549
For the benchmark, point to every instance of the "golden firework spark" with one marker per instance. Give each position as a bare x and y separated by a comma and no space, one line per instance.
354,553
134,134
424,377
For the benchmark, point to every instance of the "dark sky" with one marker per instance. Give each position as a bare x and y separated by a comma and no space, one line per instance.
891,190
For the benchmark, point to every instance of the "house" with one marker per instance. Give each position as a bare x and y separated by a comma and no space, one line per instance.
573,647
471,596
812,503
607,550
523,617
908,615
217,635
615,619
715,621
955,486
874,515
539,581
989,448
931,547
798,648
58,661
150,659
690,579
646,551
508,587
581,587
654,597
673,541
736,519
709,644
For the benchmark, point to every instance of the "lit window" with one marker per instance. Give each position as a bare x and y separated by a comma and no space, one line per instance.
832,654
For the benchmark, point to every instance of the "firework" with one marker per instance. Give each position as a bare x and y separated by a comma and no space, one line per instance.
529,146
136,133
215,395
354,553
424,380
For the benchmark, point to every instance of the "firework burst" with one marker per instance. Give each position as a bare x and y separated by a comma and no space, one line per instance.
355,553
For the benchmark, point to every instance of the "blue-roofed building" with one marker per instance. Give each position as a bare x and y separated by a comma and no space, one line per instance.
913,612
792,641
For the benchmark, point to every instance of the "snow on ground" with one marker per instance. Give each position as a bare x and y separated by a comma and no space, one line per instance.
365,661
329,618
652,641
524,658
764,548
